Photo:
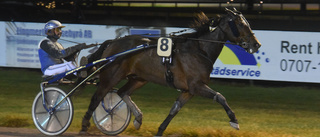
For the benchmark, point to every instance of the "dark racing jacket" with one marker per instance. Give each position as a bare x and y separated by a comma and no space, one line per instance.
51,52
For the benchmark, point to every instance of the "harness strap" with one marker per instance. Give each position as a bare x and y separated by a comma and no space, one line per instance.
206,57
167,62
169,75
234,28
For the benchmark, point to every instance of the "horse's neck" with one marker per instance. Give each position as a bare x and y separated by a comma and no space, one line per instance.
213,49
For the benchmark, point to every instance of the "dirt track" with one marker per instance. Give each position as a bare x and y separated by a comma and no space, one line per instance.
26,132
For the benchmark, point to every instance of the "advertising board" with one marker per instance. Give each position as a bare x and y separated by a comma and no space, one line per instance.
284,55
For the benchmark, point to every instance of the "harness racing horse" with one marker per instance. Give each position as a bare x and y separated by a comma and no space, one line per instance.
193,57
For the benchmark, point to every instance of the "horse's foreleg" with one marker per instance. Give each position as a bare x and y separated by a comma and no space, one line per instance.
124,92
207,92
182,99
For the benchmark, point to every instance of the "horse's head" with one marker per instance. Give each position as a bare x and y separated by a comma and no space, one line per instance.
238,30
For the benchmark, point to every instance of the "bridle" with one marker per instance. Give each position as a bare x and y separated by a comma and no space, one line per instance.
244,40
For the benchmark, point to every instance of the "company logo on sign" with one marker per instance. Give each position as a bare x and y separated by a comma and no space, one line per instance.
236,62
236,55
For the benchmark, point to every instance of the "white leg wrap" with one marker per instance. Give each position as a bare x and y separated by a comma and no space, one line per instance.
135,110
133,107
235,125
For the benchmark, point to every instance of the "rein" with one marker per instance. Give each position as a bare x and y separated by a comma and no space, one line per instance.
194,39
211,30
212,41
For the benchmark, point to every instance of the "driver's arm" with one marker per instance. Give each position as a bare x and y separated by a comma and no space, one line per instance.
55,52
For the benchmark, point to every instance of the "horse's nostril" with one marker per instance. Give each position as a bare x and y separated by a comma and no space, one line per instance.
258,45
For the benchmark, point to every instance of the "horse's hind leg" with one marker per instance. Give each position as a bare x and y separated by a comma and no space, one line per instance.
207,92
182,99
135,110
125,93
95,100
106,84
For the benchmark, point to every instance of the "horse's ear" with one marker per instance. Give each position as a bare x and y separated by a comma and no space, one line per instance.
231,12
234,9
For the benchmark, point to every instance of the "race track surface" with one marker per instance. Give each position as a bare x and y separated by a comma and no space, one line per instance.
26,132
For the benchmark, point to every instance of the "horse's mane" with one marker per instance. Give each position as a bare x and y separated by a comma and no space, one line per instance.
200,24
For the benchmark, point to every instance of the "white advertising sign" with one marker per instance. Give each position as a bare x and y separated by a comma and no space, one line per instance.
20,40
2,44
284,55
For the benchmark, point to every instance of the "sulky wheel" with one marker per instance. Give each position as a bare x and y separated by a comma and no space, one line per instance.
51,121
112,116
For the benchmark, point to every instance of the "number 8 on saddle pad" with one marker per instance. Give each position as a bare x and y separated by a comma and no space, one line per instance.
164,47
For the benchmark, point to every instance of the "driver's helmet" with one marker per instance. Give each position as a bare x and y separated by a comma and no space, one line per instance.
52,24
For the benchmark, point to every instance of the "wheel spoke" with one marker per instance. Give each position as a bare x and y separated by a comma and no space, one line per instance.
119,105
61,110
112,122
48,121
45,112
56,101
58,120
118,116
102,120
59,98
115,106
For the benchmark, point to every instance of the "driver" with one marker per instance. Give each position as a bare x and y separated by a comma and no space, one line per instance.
53,57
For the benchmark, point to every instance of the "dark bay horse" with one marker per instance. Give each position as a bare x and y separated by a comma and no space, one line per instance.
193,57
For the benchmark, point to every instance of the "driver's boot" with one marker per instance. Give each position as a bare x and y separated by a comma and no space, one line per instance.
83,73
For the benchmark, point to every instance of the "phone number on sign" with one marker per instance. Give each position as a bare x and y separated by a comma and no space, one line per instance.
296,65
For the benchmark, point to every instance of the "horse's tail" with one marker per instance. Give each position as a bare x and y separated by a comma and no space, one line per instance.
97,55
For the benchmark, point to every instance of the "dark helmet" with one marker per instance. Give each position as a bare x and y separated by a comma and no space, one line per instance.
51,25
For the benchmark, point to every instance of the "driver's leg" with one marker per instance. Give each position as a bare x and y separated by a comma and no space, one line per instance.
59,68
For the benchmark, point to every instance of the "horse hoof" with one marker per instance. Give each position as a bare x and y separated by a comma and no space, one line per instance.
82,132
234,125
136,124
